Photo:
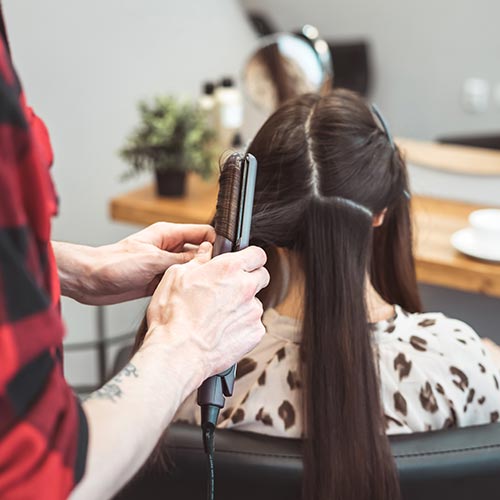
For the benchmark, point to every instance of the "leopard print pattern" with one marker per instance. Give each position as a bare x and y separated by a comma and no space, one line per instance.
434,374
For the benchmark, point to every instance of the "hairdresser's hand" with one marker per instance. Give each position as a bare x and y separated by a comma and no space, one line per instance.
129,269
203,318
208,310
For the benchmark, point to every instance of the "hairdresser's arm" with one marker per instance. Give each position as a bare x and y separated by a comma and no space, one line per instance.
128,269
203,317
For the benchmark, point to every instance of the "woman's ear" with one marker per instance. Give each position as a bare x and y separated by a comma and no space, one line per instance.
378,219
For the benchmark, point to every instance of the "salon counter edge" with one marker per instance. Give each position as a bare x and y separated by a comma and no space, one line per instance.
437,262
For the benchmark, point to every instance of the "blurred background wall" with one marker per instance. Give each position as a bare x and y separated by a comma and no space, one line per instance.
422,53
84,65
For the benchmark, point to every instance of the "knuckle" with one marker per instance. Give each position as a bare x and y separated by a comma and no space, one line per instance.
174,269
253,313
259,332
160,226
175,273
259,253
249,290
207,227
259,308
257,316
267,277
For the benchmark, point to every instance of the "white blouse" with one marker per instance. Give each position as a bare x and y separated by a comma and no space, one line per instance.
434,374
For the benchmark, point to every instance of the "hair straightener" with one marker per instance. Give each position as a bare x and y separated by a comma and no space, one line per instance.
232,225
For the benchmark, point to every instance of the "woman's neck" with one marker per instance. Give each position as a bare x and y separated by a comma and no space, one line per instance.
377,308
292,304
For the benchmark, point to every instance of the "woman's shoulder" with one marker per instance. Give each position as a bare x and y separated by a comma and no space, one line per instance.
436,321
438,367
434,343
426,330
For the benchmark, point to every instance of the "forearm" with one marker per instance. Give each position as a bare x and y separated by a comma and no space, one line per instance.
128,415
75,268
111,274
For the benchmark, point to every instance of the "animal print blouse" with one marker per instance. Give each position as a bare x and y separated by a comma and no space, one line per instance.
434,374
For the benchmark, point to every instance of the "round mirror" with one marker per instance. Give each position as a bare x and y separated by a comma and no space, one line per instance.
286,65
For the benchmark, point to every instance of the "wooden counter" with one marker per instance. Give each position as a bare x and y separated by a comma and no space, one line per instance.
438,263
435,221
450,157
144,207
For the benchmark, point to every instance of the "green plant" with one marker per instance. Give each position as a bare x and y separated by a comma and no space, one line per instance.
172,135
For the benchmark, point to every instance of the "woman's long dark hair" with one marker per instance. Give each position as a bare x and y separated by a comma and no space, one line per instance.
325,168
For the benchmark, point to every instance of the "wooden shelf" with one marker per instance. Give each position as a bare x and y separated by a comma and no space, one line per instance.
435,221
143,206
451,158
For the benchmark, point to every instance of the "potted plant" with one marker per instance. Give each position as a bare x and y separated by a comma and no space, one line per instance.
172,138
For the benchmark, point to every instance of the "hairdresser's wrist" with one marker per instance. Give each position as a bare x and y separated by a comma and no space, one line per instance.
75,264
186,364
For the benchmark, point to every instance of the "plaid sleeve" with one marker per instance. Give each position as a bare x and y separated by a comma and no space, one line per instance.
43,431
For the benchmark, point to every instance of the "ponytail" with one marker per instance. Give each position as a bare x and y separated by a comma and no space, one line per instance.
346,452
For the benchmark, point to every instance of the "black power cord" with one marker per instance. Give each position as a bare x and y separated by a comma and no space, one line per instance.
211,397
209,445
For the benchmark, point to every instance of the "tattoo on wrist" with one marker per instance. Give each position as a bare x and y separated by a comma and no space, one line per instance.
112,390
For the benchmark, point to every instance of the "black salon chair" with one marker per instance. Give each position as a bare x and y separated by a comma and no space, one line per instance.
459,464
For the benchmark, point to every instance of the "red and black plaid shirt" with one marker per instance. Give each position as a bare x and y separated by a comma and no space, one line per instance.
43,431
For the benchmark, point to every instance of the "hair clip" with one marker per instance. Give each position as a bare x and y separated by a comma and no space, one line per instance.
384,124
385,127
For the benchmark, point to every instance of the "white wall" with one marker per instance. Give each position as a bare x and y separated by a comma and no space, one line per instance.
422,52
84,65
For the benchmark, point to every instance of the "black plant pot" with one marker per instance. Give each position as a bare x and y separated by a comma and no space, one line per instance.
171,183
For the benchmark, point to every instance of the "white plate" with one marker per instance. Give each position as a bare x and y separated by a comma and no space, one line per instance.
464,241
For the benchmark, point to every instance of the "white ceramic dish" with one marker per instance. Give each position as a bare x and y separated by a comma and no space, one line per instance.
486,224
465,241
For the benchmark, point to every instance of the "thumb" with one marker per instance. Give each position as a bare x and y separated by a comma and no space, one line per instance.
190,252
204,253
